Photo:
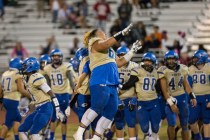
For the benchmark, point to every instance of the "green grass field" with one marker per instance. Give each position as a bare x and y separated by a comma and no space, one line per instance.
73,124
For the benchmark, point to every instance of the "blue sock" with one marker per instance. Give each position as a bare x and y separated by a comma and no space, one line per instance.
205,138
64,137
52,135
1,138
197,136
16,137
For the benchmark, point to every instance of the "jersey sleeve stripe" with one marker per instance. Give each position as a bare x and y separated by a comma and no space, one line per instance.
135,71
160,72
37,79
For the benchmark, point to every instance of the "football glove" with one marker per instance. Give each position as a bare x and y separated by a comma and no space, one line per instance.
132,104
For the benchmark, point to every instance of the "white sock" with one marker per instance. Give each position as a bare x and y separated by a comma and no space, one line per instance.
120,138
23,135
132,138
110,125
80,130
155,136
95,137
88,117
150,128
102,125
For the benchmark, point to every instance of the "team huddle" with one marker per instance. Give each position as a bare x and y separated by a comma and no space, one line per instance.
107,91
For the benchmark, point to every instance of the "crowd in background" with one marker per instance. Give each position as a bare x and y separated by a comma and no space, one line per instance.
75,14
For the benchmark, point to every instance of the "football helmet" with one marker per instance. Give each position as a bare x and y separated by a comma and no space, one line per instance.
15,63
149,57
56,60
167,58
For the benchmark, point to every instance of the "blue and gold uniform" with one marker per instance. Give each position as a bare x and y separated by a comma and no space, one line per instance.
43,104
104,80
176,89
60,84
126,115
201,88
11,96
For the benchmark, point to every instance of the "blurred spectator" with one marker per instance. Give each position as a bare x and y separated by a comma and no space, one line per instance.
184,58
116,27
151,41
136,6
51,44
143,4
124,12
55,6
19,51
201,47
63,17
139,31
82,12
164,41
154,3
102,11
74,46
2,9
40,8
176,46
155,39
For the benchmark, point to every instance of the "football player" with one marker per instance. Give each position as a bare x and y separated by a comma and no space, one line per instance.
128,102
44,60
41,95
199,78
103,79
174,84
144,78
11,88
61,77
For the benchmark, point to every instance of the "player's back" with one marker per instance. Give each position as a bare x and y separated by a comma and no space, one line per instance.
9,84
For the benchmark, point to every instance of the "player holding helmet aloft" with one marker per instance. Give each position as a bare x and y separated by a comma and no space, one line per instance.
61,79
41,95
11,88
144,79
127,114
104,79
200,79
174,84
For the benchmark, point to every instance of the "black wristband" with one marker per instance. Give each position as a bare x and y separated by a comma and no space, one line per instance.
118,35
192,95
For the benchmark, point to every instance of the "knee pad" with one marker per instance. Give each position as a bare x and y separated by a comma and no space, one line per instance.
88,117
24,135
102,125
36,137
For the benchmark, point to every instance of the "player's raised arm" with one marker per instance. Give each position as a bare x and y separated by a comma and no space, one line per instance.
105,43
126,58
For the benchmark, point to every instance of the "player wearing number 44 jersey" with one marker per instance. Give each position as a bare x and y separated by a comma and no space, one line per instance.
60,75
174,83
200,78
144,79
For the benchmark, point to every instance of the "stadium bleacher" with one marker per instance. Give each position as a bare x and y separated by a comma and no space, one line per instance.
22,24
